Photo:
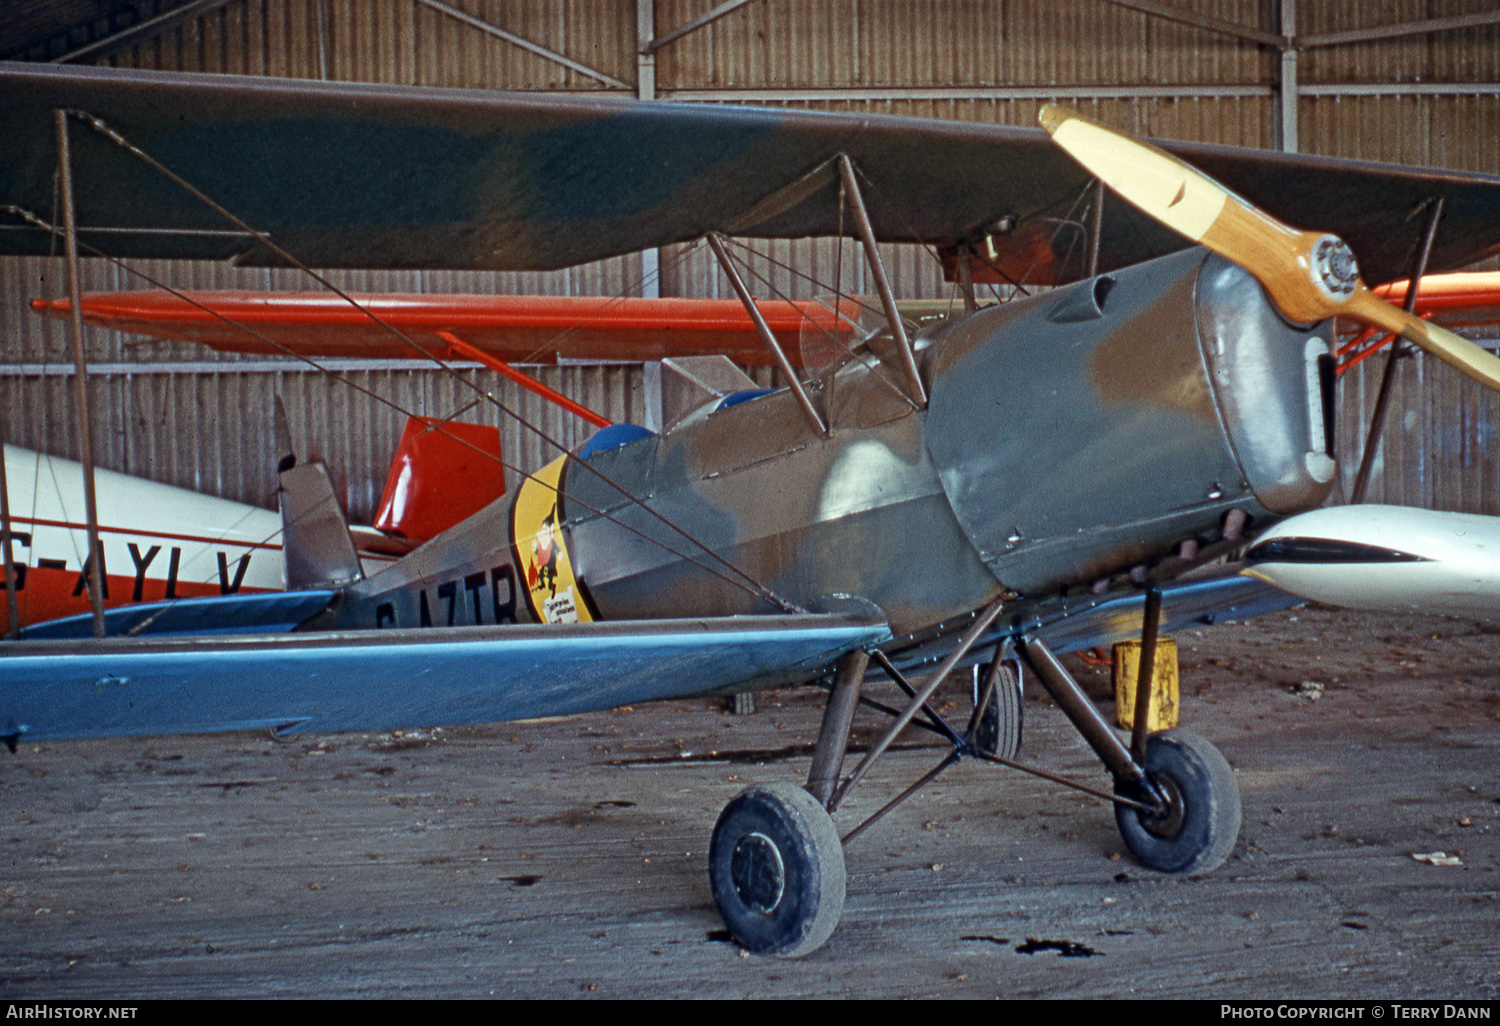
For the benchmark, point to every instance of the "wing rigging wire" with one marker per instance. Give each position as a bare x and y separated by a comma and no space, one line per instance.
1066,221
483,396
11,589
754,587
931,251
746,582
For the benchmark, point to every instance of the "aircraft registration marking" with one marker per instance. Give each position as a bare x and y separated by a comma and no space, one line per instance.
541,549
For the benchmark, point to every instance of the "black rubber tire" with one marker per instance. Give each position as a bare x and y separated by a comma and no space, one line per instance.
999,730
777,870
1199,831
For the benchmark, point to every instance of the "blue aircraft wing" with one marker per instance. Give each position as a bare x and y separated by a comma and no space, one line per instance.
270,612
374,680
1196,602
1074,623
186,674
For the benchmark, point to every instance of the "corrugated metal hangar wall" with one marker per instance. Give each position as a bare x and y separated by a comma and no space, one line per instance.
1413,81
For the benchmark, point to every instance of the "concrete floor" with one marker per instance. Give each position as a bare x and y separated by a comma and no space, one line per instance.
566,858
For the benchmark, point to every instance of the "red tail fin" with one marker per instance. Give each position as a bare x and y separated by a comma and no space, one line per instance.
443,472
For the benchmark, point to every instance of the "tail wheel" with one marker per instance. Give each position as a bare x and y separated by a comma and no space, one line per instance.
1196,831
777,869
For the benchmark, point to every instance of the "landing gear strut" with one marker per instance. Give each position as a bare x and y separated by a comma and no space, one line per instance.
776,862
1176,800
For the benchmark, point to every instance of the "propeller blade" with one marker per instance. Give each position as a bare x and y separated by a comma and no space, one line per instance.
1310,276
1435,340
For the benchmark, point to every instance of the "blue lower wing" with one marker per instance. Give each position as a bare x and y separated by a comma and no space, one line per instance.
184,675
1192,603
1080,622
373,680
269,612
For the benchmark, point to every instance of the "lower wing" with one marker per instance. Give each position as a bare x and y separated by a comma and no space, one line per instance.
376,680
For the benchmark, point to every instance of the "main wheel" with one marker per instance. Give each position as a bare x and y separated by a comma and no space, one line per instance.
999,729
1197,830
777,869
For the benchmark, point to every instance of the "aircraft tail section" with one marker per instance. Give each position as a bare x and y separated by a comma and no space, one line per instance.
315,535
443,473
316,542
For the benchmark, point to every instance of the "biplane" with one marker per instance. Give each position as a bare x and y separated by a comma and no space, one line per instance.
987,491
437,480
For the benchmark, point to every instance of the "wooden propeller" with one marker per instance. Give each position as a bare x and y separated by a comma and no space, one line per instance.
1309,275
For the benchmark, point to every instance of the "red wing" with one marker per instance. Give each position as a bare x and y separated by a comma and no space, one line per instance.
1462,300
1465,300
516,329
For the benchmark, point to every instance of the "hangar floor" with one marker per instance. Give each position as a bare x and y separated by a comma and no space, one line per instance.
566,858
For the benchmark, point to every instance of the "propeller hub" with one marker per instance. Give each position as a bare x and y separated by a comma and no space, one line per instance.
1334,267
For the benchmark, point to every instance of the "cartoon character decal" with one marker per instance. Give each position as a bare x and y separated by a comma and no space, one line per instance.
541,571
541,551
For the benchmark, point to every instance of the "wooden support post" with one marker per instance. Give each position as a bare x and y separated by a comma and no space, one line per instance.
1287,93
94,564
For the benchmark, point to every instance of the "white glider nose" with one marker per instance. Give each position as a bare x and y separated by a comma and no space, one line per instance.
1385,557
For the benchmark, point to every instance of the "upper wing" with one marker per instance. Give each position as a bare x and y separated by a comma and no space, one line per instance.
388,177
373,680
521,329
